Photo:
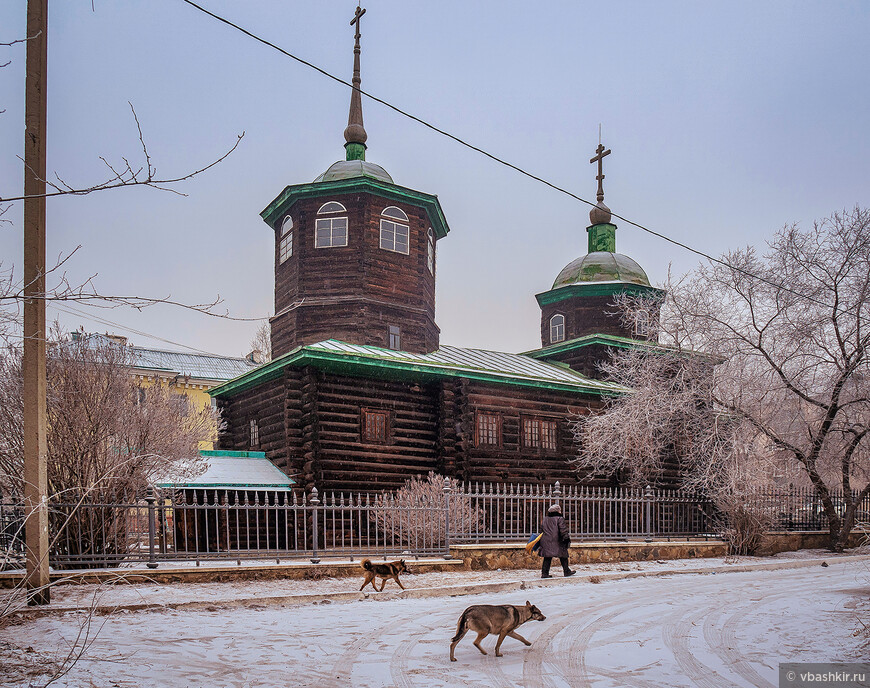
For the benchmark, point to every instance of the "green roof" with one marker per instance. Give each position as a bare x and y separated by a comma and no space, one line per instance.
589,340
348,169
609,288
614,341
447,362
232,470
357,184
601,266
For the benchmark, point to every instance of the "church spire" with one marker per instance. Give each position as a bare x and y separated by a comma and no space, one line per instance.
355,133
602,234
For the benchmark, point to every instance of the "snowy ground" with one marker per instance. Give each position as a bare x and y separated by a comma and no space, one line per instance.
679,630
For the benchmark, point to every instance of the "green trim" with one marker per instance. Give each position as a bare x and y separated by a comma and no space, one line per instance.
602,237
233,454
614,341
276,209
364,366
355,151
594,289
589,340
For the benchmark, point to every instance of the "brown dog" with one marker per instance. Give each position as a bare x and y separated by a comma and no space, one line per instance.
390,569
501,620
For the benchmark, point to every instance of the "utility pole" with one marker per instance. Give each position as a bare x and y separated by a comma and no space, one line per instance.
35,469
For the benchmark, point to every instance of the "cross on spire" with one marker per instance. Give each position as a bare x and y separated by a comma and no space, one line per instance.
355,133
356,20
599,158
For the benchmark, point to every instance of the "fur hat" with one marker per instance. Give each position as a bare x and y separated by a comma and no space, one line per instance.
555,509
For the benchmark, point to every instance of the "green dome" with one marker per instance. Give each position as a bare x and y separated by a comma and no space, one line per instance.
349,169
601,266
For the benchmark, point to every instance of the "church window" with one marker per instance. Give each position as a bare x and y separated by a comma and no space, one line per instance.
430,253
330,231
548,435
255,433
331,207
395,212
531,433
641,323
557,328
375,426
540,434
488,430
395,338
394,235
285,246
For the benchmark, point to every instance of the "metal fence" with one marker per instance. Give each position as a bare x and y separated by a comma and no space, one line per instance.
197,524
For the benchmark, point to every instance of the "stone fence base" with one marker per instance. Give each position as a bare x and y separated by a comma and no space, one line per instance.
491,556
785,541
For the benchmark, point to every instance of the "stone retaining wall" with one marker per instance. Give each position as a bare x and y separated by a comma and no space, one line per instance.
784,541
491,556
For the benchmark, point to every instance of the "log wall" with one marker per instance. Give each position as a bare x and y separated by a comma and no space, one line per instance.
354,292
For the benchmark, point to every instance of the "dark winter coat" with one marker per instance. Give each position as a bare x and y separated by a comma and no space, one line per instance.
555,540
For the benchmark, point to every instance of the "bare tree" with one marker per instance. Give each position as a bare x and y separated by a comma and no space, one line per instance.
791,331
415,514
107,440
262,343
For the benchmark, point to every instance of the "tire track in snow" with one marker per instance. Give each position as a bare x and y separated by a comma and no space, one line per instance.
399,669
533,671
343,667
725,643
676,636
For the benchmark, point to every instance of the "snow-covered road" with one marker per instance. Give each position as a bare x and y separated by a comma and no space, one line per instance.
684,630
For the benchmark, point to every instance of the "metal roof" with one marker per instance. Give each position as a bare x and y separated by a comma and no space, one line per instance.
448,361
234,470
201,366
497,362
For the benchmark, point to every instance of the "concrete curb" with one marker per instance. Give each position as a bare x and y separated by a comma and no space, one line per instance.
442,591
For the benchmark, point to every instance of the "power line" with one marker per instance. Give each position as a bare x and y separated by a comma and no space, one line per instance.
103,321
502,161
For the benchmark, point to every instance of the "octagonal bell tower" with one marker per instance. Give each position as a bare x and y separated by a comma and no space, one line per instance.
355,253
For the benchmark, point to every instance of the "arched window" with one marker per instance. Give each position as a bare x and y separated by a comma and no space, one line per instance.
557,328
285,245
394,235
330,231
430,251
395,212
331,207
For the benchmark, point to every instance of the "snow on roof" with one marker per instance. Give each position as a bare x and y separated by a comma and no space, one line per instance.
234,470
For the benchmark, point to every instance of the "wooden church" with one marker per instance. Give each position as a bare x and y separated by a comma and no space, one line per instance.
361,394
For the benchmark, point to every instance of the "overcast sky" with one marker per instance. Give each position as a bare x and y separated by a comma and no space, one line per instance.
726,121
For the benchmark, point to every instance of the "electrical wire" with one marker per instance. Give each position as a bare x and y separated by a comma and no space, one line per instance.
502,161
70,310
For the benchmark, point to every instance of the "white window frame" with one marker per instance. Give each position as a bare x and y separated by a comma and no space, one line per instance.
394,336
285,245
255,433
430,251
557,328
396,213
331,207
330,232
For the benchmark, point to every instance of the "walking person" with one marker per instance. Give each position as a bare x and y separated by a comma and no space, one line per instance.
555,541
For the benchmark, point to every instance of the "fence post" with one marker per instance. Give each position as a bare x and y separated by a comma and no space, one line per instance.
447,518
647,500
151,501
314,501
